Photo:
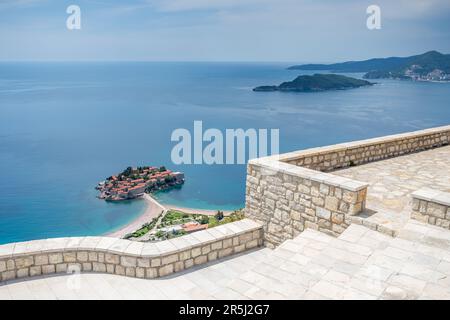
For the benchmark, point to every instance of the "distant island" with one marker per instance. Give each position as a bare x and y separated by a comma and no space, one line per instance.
134,182
430,66
316,83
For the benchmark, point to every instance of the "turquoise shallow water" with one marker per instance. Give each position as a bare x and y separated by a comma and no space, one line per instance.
66,126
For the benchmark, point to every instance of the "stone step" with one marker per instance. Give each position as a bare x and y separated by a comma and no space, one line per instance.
382,220
425,234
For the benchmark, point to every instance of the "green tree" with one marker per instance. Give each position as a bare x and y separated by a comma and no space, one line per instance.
219,215
204,219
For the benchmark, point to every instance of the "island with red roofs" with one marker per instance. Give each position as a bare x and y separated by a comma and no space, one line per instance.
135,182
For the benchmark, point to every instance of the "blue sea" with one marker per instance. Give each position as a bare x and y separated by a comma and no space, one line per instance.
66,126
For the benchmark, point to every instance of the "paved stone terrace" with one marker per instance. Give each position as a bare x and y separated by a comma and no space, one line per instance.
360,264
392,181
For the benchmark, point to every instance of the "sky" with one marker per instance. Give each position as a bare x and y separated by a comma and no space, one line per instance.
221,30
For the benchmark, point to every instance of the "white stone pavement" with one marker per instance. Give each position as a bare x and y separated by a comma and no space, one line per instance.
392,181
360,264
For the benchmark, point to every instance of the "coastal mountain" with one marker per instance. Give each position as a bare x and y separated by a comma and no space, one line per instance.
317,82
430,66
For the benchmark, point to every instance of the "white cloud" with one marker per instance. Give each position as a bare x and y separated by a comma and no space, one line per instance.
186,5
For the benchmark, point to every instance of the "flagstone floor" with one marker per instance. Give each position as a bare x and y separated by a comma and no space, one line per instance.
392,181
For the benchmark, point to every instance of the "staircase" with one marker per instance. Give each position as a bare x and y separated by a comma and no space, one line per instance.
360,264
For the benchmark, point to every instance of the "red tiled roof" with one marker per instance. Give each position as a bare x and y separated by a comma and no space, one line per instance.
194,227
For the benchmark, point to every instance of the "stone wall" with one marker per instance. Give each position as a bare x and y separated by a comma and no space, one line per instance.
344,155
286,199
431,206
124,257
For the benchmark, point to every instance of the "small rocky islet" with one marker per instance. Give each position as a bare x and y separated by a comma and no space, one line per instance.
317,83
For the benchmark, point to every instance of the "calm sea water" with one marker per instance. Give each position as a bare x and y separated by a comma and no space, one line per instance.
66,126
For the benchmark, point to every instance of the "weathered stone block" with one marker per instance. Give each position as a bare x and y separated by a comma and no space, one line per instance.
127,261
35,271
195,252
324,189
350,196
200,259
331,203
98,267
87,266
215,245
61,268
337,218
82,256
92,256
47,269
245,237
55,258
188,263
165,270
120,270
343,206
110,268
225,252
8,275
130,272
155,262
179,266
143,262
41,259
151,273
22,273
70,257
311,225
212,255
355,208
318,201
21,262
206,249
140,272
436,210
112,258
304,189
323,213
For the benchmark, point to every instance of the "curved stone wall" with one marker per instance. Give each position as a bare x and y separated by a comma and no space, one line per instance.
125,257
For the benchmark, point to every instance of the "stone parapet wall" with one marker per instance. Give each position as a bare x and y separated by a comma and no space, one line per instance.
286,199
124,257
431,206
354,153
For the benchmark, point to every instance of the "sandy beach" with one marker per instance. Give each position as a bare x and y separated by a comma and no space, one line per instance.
154,208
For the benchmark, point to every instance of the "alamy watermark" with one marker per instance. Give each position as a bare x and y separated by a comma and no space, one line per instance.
73,282
212,146
374,19
73,21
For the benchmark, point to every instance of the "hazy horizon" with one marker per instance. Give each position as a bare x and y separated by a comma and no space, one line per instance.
285,31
